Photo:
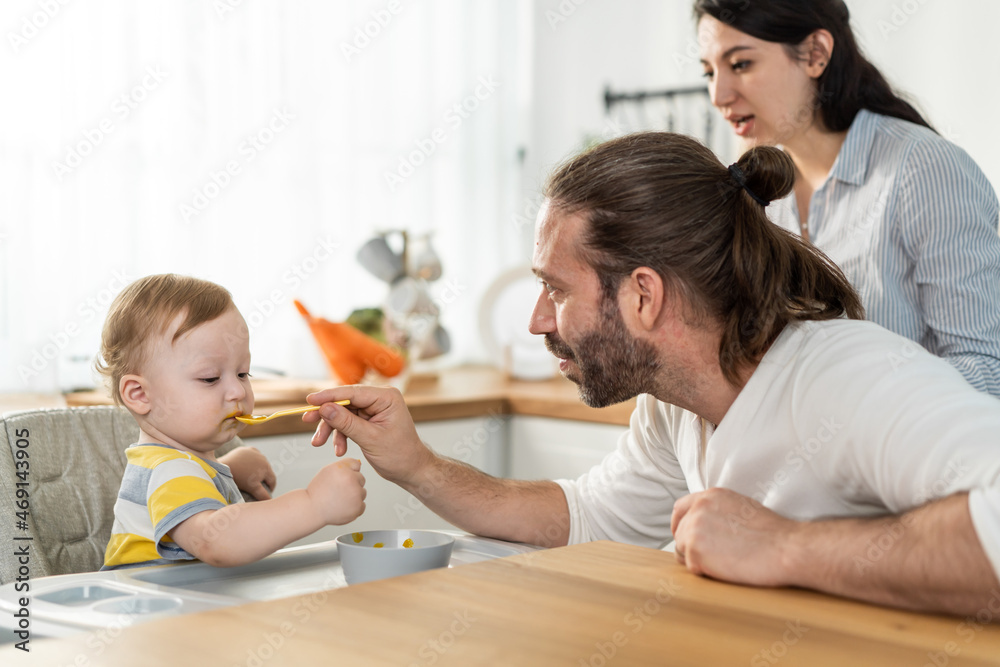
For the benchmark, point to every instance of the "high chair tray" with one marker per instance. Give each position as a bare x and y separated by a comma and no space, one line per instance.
67,604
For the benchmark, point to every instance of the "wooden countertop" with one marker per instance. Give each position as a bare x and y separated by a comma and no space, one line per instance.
14,402
591,604
467,391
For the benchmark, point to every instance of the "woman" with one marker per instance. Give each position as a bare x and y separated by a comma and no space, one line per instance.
907,215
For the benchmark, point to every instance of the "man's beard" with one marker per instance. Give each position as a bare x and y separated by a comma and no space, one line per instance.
614,365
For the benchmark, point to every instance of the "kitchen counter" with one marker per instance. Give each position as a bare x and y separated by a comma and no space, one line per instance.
467,391
590,604
15,402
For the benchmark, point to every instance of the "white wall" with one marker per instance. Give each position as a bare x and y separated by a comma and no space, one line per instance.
629,45
579,47
938,51
941,53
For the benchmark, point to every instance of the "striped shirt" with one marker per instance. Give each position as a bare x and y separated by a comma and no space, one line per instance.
161,487
912,222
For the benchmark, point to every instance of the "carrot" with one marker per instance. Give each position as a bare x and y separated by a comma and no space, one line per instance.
342,361
348,351
382,358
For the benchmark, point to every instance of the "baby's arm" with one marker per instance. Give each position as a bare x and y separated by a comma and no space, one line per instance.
246,532
251,471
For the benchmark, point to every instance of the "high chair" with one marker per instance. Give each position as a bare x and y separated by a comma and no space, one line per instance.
73,460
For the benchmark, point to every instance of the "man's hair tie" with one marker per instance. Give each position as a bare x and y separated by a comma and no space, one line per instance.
741,179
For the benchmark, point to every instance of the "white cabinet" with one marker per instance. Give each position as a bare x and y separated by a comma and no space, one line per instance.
481,442
545,448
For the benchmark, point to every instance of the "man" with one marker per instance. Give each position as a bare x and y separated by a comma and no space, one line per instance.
762,411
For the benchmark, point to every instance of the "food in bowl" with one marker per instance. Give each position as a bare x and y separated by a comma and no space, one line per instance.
378,554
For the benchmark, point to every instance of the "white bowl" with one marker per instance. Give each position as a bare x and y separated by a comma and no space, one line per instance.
363,561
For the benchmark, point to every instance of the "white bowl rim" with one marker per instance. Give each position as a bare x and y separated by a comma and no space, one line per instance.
442,539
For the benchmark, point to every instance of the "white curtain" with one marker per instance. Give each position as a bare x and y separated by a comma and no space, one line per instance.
255,143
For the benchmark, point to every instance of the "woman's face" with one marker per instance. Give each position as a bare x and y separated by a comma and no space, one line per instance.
766,95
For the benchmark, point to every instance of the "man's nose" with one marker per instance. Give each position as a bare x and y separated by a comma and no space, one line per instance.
543,317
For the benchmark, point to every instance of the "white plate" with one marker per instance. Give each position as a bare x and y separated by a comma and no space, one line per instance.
504,316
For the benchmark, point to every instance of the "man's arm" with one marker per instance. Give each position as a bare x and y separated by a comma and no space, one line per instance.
533,512
927,559
379,422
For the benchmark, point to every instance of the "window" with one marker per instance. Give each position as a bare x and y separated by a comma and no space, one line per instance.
255,144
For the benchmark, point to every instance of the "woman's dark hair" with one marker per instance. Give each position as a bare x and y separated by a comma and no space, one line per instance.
664,201
848,84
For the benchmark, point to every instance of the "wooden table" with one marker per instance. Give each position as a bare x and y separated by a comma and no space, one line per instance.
467,391
592,604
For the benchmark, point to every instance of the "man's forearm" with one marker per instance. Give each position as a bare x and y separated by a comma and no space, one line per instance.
927,559
532,512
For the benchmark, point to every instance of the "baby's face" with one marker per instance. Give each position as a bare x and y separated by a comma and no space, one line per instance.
198,383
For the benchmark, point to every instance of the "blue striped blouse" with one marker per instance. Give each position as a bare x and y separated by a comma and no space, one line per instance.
912,221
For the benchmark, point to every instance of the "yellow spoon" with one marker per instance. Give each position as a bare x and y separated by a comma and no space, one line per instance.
260,419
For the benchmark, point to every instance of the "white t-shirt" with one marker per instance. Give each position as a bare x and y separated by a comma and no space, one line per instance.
841,418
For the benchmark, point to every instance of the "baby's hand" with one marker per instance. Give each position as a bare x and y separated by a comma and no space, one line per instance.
337,492
251,470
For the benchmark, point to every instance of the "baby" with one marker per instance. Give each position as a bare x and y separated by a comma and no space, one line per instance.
176,353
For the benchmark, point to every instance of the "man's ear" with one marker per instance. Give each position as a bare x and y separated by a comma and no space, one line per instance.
819,50
643,298
133,393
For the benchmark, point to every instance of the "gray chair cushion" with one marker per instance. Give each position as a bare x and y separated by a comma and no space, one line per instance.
76,459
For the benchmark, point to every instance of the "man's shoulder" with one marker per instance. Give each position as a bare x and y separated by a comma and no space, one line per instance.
825,336
860,354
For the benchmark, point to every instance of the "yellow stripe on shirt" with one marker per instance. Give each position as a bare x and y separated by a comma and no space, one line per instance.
180,491
126,548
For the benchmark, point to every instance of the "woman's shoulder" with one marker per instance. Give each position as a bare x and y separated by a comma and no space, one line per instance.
908,139
918,154
898,128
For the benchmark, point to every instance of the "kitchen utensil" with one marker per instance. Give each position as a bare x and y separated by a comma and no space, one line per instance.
435,344
378,554
425,262
408,296
260,419
380,260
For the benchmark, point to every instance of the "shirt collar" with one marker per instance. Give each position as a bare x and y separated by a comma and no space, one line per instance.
851,165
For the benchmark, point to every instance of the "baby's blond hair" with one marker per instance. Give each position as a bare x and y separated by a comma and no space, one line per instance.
145,309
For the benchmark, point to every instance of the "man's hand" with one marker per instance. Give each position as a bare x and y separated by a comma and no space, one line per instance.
728,536
378,421
928,559
251,471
